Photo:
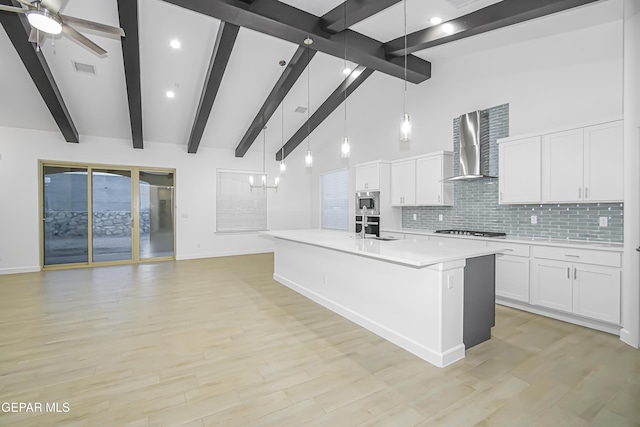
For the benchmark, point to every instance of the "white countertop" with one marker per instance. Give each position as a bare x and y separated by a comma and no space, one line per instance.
577,244
414,253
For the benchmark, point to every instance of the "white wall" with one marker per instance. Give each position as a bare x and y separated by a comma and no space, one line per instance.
21,149
631,277
554,82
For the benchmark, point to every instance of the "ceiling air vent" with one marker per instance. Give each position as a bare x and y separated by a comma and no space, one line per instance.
84,68
300,110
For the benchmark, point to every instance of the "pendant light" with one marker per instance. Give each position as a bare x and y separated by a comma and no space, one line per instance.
405,122
346,146
308,158
263,178
283,165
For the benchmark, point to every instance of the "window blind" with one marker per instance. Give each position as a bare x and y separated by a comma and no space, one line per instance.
334,190
237,207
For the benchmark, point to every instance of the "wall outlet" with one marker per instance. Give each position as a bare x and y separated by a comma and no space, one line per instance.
534,219
440,217
415,217
604,221
184,216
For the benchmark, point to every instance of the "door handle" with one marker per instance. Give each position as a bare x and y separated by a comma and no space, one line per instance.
586,192
579,193
638,249
568,272
575,273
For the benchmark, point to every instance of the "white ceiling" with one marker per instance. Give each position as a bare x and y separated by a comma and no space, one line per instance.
98,103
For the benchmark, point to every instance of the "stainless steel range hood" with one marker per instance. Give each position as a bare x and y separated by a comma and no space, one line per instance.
474,151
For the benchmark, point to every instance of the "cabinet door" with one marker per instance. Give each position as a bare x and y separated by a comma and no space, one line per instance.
519,171
551,284
403,183
428,177
512,277
596,292
562,166
368,177
603,162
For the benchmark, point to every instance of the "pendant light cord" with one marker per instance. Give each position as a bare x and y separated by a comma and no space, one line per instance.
308,99
405,55
345,67
282,117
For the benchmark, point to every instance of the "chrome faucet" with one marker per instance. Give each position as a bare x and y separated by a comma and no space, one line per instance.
363,232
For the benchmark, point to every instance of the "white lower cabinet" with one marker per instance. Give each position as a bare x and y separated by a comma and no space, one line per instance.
584,289
512,277
596,292
551,284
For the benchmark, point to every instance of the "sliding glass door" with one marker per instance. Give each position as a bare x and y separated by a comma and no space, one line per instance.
65,215
96,214
111,214
156,195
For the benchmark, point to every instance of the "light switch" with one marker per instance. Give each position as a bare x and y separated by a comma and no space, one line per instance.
184,216
604,221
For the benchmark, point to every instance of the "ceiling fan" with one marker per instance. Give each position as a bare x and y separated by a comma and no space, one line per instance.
45,18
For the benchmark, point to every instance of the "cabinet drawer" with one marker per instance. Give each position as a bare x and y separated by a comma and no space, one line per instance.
391,235
611,259
510,248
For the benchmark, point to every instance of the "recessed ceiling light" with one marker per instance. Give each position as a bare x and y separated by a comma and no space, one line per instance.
175,44
447,28
435,20
171,94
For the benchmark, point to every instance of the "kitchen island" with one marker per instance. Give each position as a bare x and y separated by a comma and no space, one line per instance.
410,292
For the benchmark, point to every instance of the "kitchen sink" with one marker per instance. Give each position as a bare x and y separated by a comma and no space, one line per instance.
384,239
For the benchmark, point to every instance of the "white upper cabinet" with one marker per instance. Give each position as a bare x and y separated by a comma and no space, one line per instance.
562,166
431,190
603,162
583,165
519,171
368,177
403,183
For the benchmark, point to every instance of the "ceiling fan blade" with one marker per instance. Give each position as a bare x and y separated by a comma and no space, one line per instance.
71,32
12,9
79,22
37,36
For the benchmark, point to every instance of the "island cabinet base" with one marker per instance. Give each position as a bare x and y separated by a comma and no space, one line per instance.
418,309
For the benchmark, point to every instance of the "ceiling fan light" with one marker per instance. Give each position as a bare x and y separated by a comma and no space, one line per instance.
44,21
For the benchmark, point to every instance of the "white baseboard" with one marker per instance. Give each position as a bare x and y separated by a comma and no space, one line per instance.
222,254
18,270
593,324
434,357
627,338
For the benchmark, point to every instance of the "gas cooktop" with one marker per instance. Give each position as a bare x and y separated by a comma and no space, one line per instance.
473,233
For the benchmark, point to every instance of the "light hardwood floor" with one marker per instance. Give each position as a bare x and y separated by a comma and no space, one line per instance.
218,342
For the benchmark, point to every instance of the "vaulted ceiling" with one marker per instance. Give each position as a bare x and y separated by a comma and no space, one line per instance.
226,75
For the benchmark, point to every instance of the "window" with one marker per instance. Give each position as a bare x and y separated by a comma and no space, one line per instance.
334,204
238,208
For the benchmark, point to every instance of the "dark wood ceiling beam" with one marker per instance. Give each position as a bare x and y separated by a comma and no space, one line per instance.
128,14
17,28
499,15
289,76
285,22
349,85
227,34
357,11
